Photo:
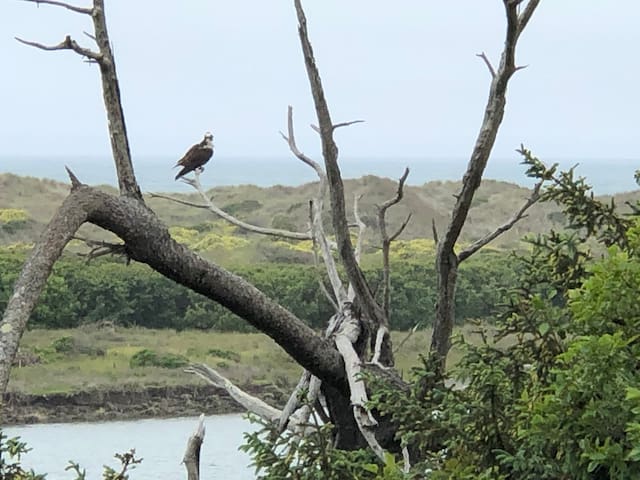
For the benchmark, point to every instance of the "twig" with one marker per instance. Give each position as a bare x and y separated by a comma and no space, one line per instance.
73,8
346,124
434,230
407,337
101,248
401,228
291,140
487,62
67,44
477,245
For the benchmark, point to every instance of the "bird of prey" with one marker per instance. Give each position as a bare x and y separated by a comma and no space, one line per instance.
196,156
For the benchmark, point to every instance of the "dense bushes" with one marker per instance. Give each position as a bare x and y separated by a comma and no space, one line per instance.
134,295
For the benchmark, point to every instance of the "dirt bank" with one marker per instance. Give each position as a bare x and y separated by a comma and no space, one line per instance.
126,403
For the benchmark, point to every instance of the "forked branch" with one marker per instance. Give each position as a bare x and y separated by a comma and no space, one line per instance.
446,259
382,349
387,239
110,89
67,44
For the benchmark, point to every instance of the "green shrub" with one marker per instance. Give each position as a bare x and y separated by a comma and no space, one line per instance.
64,344
227,354
149,358
11,451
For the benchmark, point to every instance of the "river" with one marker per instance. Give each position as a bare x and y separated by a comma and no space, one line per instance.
161,444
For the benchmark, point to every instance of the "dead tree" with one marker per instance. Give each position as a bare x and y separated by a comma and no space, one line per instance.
447,260
335,358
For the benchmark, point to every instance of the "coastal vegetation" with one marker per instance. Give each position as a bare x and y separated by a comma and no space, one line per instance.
108,290
548,388
105,357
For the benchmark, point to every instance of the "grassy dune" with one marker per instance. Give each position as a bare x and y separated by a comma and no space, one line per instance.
100,358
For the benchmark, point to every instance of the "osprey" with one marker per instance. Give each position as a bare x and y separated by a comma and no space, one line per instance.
196,156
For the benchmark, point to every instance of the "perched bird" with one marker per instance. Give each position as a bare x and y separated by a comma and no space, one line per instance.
196,156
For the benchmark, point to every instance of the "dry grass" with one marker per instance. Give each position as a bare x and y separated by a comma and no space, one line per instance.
258,359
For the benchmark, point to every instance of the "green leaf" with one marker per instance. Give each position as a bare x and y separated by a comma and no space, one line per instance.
543,328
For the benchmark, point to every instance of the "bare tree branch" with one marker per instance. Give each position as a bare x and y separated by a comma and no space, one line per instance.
346,124
361,226
291,140
382,348
178,200
316,262
336,187
434,230
113,104
67,44
317,207
73,8
477,245
249,402
526,15
487,62
446,259
212,207
386,240
110,91
401,228
100,249
413,330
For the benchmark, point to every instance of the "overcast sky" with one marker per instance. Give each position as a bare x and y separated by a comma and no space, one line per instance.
408,68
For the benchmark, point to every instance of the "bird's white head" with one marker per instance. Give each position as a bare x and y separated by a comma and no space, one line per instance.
208,139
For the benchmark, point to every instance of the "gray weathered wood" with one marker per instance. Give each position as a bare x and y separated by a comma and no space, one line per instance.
191,458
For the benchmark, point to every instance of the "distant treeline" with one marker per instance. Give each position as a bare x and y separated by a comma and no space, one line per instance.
107,291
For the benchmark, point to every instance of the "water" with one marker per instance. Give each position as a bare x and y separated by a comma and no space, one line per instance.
156,174
161,443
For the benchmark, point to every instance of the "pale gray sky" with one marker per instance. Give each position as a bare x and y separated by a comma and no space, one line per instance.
408,68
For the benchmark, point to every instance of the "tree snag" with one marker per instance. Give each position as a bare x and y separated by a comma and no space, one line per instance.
446,259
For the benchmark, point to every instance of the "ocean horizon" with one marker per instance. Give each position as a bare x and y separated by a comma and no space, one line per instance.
155,174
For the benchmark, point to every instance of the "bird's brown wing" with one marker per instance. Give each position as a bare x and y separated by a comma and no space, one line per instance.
184,160
194,158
